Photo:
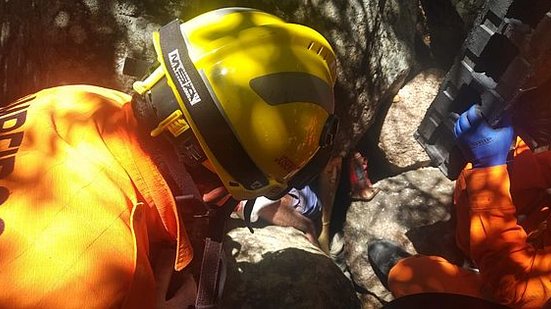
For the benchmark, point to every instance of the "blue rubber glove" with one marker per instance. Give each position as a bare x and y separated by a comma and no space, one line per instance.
481,144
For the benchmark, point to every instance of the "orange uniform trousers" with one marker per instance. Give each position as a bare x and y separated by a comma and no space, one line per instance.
502,218
81,204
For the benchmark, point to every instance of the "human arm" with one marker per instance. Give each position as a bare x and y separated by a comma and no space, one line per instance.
513,272
283,213
292,210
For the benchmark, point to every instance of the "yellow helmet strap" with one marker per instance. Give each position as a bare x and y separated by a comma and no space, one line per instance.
194,95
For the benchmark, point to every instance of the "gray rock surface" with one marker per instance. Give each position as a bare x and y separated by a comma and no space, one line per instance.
412,209
446,30
47,43
276,267
374,43
408,108
468,10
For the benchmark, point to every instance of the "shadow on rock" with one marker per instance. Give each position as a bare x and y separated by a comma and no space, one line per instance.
288,278
436,239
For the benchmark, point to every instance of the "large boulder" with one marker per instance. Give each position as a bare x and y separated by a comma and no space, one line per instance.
412,209
374,42
276,267
396,141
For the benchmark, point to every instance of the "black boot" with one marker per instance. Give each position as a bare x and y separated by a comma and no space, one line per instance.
383,255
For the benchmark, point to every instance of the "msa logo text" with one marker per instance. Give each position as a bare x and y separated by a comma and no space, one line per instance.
183,77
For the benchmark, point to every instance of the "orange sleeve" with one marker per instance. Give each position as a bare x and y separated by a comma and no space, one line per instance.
513,271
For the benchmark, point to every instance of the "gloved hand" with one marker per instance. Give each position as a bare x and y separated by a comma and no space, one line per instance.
481,144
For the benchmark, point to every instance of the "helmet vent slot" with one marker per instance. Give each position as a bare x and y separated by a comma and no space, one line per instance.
320,50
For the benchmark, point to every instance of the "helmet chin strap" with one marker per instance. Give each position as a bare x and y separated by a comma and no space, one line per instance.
149,113
163,152
184,149
193,211
247,211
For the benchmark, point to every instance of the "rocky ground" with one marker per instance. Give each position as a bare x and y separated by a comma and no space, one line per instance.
413,209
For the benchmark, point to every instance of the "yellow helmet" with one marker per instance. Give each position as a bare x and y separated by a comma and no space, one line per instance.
255,92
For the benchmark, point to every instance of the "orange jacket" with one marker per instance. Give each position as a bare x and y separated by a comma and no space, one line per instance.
80,203
514,256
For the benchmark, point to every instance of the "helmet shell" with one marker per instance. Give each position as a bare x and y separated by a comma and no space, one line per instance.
273,83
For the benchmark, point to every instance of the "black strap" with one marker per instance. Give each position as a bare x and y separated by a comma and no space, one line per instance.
186,143
135,67
182,185
247,211
212,275
216,131
187,189
208,291
212,271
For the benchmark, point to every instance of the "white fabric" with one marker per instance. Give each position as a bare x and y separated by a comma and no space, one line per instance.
304,201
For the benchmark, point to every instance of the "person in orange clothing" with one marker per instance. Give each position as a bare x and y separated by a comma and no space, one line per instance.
503,209
103,194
